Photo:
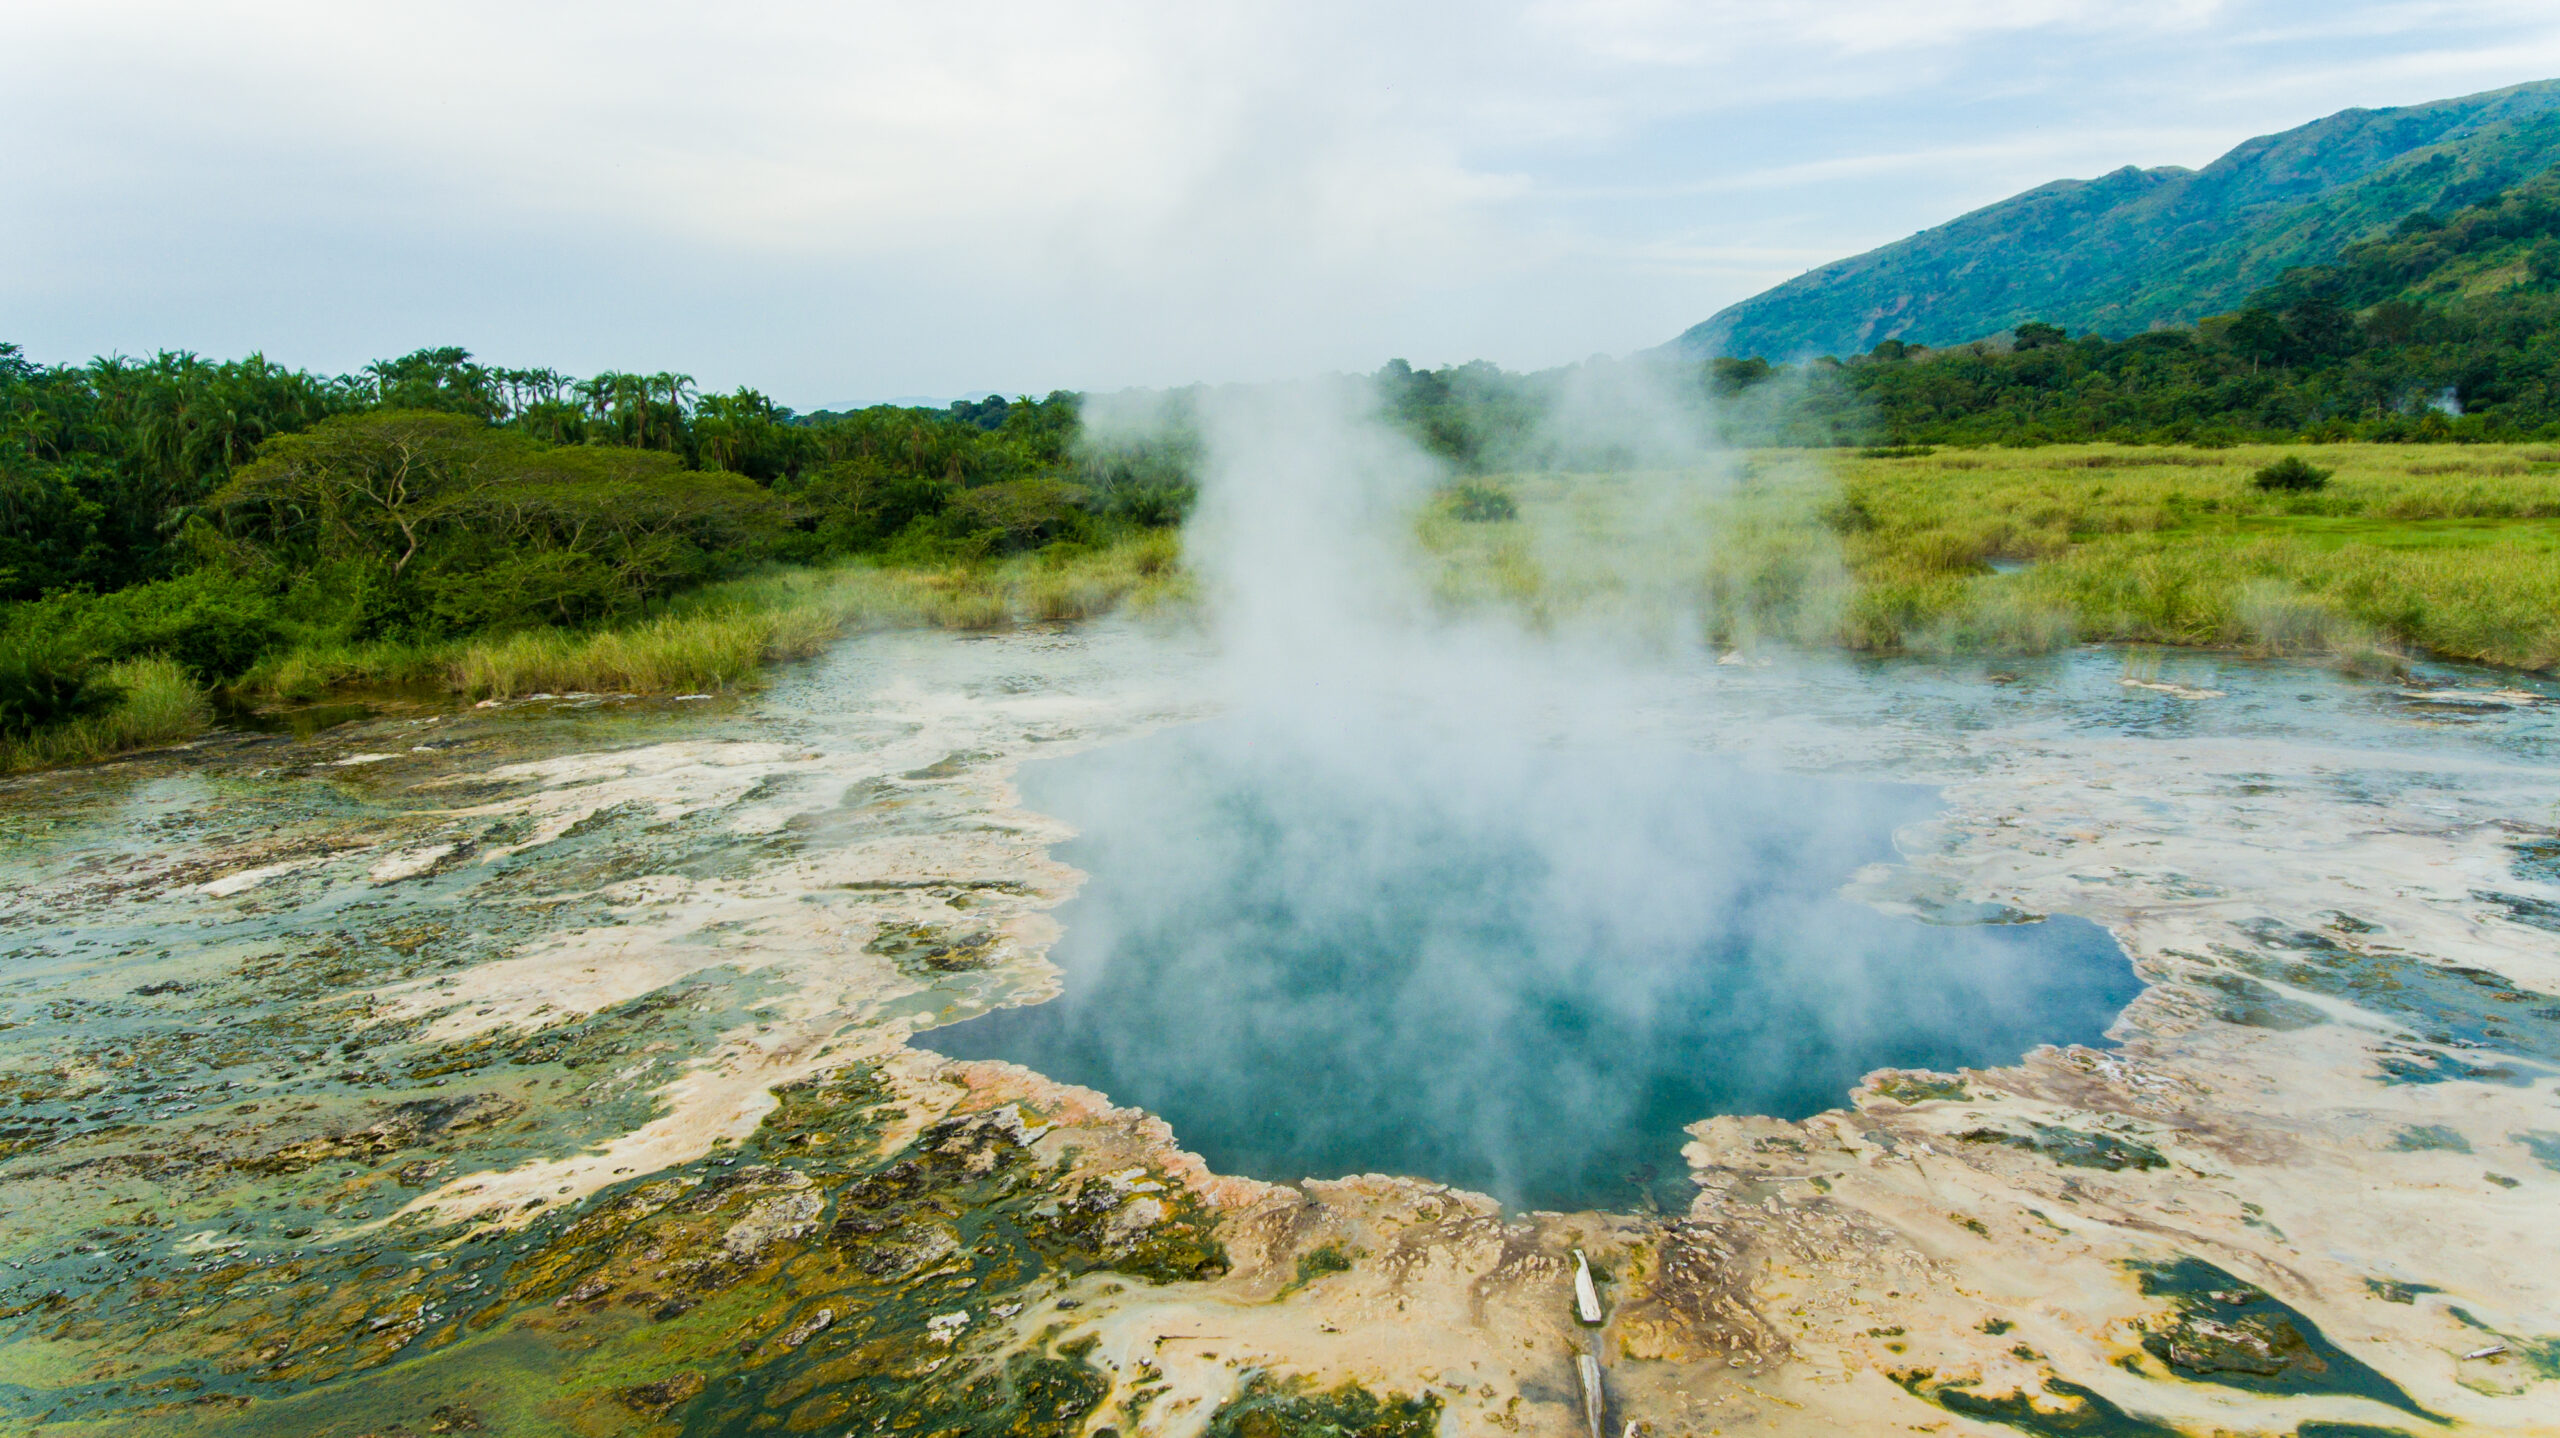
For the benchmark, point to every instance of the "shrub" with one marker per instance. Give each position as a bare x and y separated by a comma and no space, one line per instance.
1481,501
146,701
2292,472
41,686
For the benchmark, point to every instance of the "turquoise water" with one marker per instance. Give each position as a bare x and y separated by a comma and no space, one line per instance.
1520,971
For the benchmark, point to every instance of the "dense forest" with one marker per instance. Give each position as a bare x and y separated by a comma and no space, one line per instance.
211,512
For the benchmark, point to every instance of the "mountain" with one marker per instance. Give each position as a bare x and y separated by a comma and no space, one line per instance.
2138,248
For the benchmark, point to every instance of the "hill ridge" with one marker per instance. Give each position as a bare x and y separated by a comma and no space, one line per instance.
2136,247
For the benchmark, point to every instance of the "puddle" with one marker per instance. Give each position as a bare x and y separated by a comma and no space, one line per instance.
1517,972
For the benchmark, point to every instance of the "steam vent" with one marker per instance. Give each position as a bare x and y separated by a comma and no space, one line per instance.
975,1033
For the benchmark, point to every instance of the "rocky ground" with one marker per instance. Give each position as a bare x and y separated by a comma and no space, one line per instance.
564,1067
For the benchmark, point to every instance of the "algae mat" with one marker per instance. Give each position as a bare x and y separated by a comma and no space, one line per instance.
553,1069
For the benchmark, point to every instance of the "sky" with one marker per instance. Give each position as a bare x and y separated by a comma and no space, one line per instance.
847,202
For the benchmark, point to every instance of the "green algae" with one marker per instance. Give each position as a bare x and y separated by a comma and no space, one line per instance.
2220,1329
1315,1263
1268,1407
933,948
2076,1411
2392,1290
2425,1066
2449,1006
1914,1087
2251,1004
2536,859
2524,909
2540,1356
805,1280
2430,1138
2073,1148
2543,1144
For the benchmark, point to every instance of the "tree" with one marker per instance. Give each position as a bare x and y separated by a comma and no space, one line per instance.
368,487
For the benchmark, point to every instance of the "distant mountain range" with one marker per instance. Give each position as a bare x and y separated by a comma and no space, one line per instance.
2139,248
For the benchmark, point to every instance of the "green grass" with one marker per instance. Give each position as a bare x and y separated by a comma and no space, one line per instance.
2455,552
158,704
719,637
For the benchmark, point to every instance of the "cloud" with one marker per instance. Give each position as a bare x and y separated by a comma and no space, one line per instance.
848,198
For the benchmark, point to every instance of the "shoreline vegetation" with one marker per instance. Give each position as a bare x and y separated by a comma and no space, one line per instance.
2447,551
720,636
174,530
716,639
2394,550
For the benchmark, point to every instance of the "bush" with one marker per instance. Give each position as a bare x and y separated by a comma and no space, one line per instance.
1017,515
2290,473
145,702
1481,501
41,686
214,624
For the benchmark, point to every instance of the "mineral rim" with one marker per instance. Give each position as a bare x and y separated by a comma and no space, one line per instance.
555,1069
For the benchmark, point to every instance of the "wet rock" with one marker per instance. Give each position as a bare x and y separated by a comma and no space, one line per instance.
933,948
815,1324
2073,1148
2222,1329
654,1399
405,1125
771,1219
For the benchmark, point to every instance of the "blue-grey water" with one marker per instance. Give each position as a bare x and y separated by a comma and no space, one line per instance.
1519,971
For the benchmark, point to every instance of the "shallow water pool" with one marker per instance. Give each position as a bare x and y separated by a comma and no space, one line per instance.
1521,970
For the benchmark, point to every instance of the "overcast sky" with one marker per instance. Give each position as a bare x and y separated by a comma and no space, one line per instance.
850,201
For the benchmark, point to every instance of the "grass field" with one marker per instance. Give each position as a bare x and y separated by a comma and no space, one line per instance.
2452,551
715,638
720,636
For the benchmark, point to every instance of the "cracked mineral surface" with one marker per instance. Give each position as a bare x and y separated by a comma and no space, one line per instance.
565,1068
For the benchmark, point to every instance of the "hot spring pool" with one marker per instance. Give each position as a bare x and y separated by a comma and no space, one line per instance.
1520,970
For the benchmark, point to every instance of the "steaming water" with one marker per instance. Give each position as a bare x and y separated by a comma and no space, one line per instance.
1519,969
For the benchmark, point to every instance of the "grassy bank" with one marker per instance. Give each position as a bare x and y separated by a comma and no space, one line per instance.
720,636
715,638
156,702
2452,551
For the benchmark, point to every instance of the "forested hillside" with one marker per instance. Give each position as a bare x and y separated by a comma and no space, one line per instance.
2137,248
2439,329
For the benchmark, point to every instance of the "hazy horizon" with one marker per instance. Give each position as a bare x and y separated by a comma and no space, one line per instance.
845,204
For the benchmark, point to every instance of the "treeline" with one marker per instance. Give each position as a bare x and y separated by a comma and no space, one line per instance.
2446,329
211,512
